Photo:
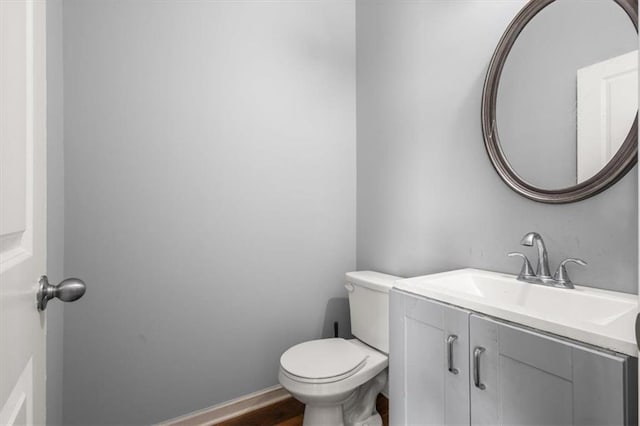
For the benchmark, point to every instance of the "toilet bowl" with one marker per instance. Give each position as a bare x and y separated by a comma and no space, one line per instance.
338,380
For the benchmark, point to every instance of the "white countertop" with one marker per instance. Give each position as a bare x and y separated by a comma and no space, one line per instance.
597,317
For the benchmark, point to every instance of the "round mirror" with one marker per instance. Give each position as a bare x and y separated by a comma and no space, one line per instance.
560,102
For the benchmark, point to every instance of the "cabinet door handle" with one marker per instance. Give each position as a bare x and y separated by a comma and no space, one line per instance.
450,339
476,367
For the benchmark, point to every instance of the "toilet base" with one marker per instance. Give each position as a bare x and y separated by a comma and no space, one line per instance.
316,415
374,420
359,409
322,415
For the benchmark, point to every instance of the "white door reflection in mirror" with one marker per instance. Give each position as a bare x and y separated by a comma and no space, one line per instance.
607,105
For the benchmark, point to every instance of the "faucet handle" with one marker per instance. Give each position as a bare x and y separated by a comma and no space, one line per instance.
561,277
527,270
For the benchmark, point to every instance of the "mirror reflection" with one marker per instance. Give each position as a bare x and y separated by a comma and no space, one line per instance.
568,92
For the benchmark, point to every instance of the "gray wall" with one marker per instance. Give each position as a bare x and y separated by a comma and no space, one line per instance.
210,196
428,197
55,208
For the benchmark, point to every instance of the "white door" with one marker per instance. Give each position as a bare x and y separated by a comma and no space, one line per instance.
607,105
22,210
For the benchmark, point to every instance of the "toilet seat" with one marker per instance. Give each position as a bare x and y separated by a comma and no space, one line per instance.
323,361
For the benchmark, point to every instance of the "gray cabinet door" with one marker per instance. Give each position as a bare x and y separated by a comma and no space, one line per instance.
528,378
425,387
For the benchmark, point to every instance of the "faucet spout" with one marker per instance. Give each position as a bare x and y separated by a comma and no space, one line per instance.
542,270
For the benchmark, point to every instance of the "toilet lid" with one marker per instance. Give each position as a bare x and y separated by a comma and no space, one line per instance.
321,359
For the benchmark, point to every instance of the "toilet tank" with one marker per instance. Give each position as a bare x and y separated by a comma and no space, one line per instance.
369,307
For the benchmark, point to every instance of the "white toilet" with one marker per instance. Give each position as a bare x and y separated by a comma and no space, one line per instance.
338,380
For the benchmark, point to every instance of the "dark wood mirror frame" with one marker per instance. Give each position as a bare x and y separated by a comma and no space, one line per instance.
614,170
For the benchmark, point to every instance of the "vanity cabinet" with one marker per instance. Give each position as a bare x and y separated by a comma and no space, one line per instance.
496,373
525,377
428,362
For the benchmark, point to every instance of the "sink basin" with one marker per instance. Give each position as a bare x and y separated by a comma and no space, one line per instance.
599,317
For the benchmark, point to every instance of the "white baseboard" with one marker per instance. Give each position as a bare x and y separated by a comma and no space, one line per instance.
230,409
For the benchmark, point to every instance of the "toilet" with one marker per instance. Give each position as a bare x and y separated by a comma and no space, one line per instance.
338,380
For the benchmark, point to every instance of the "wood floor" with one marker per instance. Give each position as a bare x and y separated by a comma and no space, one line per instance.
289,413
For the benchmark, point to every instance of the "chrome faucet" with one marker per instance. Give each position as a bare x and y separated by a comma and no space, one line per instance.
542,270
542,274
